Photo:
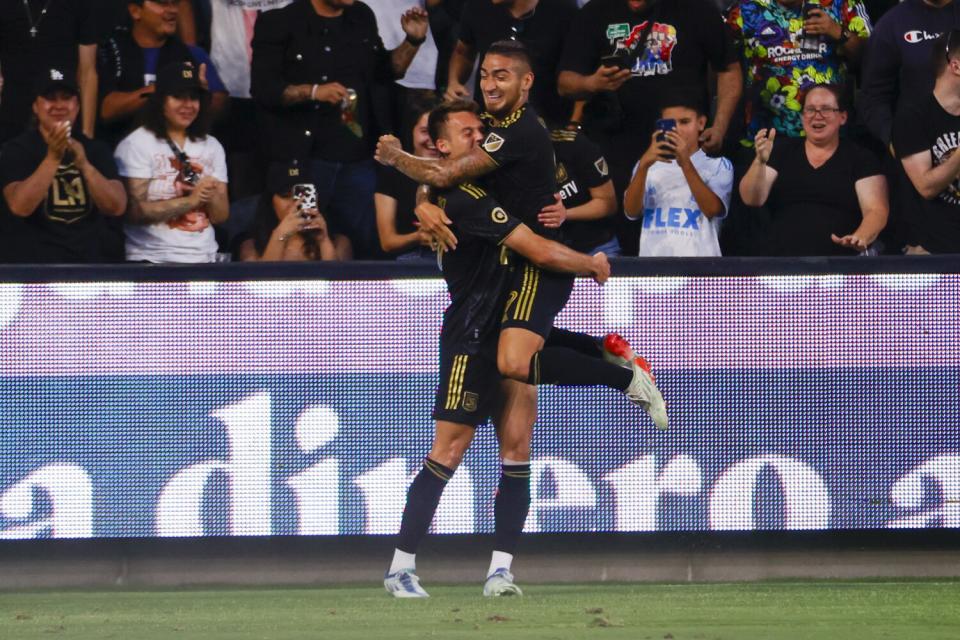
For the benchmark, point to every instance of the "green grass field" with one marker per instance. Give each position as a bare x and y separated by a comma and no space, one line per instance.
837,610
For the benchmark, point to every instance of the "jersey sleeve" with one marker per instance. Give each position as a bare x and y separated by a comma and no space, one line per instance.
720,181
506,145
476,214
591,166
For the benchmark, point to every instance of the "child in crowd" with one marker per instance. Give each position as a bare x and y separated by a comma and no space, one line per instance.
681,192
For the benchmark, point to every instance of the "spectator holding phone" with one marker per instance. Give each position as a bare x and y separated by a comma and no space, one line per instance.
826,196
176,174
288,226
681,192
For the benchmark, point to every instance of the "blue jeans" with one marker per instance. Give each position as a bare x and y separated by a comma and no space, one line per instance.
345,197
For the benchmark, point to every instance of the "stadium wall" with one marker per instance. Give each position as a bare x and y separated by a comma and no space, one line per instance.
182,425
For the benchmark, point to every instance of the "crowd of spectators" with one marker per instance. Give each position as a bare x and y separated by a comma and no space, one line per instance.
180,130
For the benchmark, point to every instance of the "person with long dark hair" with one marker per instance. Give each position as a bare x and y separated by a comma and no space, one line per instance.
176,173
286,230
396,194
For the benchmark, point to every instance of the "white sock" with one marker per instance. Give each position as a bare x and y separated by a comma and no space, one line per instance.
402,560
499,560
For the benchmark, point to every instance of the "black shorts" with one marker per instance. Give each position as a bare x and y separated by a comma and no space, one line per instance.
535,298
469,389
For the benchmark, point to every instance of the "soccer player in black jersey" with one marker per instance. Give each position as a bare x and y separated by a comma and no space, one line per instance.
517,163
469,392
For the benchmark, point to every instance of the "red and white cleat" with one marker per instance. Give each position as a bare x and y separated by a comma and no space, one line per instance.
617,350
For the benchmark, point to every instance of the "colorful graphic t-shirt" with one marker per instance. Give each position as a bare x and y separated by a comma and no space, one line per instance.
781,62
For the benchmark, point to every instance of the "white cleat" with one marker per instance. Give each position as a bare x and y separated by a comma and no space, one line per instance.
404,584
643,392
500,583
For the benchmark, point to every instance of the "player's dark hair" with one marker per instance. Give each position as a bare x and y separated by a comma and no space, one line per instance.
686,99
837,90
512,49
437,121
945,48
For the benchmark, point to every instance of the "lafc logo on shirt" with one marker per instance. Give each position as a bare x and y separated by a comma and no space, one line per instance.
499,215
492,143
601,166
67,200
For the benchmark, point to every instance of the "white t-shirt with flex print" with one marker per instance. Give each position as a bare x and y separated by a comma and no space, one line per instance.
143,155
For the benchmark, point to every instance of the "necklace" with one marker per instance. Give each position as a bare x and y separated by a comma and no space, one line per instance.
35,25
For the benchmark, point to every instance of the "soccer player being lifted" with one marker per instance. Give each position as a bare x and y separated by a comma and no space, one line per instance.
470,390
516,161
522,353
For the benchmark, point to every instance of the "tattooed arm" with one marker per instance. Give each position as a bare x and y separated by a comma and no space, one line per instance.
139,211
436,172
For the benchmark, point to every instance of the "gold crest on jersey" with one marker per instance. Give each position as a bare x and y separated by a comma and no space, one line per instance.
492,143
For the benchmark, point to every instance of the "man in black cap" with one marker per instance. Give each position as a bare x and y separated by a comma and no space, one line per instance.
35,36
57,183
129,60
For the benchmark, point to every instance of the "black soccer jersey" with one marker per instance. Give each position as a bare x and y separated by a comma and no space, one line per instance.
525,179
581,167
475,277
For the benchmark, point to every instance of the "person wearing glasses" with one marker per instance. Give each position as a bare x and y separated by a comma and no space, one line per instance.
926,135
825,195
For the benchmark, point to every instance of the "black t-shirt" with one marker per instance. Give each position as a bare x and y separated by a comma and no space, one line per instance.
580,167
525,179
391,182
476,278
925,126
807,205
543,32
66,25
686,37
66,227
